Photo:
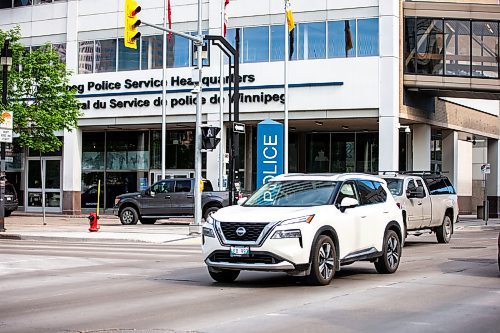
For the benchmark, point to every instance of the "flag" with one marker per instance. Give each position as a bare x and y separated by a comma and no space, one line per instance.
169,11
291,27
225,17
348,38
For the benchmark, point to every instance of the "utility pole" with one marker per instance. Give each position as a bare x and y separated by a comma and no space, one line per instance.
6,60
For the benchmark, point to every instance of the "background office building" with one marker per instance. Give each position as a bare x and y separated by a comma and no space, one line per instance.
374,86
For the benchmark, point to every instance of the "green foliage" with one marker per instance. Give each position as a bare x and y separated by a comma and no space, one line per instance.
39,94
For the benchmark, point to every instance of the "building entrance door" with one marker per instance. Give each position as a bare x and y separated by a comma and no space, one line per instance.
51,167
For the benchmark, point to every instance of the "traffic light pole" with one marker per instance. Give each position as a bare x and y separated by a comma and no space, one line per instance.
234,98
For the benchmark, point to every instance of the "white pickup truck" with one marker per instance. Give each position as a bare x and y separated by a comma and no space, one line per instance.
428,202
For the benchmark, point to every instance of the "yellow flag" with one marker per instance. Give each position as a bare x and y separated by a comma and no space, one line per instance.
289,17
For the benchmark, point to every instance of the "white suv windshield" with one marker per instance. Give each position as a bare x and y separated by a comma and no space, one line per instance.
293,193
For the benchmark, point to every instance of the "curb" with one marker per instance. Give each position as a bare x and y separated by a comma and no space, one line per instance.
90,240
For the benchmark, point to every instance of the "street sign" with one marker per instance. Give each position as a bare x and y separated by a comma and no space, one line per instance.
486,169
6,135
6,120
239,128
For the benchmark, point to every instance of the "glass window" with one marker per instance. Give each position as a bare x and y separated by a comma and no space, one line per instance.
180,149
395,186
119,183
411,186
318,159
5,4
343,157
485,49
458,53
34,174
346,191
256,44
312,41
368,192
342,39
429,55
231,38
105,55
90,181
93,151
86,57
163,187
128,59
293,193
61,50
19,3
410,43
182,186
177,52
367,152
277,42
127,151
152,52
439,185
52,174
368,37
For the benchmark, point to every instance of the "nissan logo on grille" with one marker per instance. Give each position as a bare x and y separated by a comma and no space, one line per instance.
241,231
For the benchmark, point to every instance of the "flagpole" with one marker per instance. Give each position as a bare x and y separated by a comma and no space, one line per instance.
285,146
221,104
164,96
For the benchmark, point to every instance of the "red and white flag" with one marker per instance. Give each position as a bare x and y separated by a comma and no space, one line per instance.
169,12
225,17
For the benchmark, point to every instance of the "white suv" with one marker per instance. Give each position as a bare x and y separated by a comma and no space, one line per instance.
306,225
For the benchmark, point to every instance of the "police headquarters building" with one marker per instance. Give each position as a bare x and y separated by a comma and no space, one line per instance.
374,85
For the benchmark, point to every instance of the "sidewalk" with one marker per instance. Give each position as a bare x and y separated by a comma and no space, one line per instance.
26,226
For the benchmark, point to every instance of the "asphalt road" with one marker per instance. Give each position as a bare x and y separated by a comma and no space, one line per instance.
130,287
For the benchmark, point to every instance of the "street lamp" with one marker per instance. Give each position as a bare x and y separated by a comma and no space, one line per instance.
6,63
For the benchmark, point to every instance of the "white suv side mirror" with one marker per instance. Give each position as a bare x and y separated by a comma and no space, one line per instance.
241,201
348,203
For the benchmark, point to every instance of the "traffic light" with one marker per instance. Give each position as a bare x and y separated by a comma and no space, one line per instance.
131,34
209,139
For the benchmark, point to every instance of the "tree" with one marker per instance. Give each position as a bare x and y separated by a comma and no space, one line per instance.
40,95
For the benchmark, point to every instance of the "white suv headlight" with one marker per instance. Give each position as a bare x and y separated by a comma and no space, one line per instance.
302,219
292,233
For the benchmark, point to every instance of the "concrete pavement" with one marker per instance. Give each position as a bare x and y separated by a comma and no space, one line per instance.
75,228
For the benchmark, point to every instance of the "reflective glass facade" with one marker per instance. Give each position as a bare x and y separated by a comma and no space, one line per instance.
451,47
312,40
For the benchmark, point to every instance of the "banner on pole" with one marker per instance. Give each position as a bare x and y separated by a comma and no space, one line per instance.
269,151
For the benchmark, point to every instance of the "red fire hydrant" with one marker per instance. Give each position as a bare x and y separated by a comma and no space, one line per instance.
93,222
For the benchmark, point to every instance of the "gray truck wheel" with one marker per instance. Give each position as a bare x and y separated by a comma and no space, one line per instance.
443,232
129,216
209,211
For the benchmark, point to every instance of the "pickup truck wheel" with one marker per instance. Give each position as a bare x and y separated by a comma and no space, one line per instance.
224,276
148,221
128,216
443,232
323,262
210,211
388,263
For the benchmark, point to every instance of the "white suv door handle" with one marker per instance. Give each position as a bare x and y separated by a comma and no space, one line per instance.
364,216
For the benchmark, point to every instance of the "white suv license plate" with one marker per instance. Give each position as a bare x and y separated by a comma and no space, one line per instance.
239,251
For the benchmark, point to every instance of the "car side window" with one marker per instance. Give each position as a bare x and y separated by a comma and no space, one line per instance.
163,187
421,185
347,190
182,186
381,193
411,185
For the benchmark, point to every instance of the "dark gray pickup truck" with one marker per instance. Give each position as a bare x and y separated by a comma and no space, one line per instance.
167,198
